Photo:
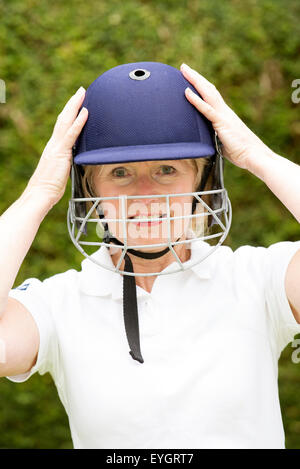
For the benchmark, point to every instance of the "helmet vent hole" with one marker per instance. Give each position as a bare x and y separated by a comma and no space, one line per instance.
139,74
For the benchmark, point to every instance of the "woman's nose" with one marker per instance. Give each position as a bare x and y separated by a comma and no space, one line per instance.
145,186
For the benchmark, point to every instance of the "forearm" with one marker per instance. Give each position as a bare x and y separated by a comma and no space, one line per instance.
20,223
18,227
282,176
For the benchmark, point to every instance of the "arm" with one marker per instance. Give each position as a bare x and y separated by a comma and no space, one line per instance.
18,227
19,337
292,285
245,150
283,178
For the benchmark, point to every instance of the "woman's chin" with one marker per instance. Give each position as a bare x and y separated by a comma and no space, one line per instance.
151,243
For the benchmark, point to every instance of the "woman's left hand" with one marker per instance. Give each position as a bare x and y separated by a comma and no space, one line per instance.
240,145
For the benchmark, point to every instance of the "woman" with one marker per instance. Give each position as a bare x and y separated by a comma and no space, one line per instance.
211,333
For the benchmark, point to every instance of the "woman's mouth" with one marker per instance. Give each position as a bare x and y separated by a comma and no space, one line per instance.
149,223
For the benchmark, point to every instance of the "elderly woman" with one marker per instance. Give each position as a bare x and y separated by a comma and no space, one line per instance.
205,340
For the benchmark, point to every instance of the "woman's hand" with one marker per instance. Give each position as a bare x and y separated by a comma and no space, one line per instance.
240,145
50,178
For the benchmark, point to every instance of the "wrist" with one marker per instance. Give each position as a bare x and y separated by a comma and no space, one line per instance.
36,200
261,163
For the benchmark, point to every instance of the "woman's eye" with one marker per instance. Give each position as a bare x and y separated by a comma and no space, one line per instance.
119,172
166,170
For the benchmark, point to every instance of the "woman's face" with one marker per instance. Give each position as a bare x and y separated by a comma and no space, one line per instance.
148,178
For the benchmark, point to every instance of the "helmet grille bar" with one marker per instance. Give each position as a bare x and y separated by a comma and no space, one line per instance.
222,217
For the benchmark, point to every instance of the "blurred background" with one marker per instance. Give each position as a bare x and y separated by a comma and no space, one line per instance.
250,50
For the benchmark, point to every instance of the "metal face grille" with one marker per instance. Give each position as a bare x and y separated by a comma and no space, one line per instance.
88,221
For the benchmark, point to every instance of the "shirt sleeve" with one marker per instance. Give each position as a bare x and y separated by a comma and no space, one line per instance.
284,324
36,297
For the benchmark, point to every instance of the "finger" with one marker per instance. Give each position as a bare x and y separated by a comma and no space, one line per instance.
67,116
74,130
205,108
206,89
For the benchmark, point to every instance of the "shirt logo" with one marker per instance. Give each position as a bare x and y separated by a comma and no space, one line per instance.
24,286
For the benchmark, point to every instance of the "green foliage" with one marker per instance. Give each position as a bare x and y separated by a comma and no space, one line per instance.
249,50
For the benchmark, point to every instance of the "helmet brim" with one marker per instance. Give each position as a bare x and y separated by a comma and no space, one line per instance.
135,153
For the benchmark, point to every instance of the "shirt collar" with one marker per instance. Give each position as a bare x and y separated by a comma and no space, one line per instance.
97,281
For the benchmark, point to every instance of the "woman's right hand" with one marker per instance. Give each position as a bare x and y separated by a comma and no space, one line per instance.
51,175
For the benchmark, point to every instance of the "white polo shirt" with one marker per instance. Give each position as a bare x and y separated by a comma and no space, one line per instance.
210,337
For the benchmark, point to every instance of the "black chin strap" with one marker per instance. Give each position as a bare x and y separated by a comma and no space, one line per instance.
130,309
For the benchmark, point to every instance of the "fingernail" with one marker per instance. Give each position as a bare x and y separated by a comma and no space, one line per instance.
184,66
80,90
